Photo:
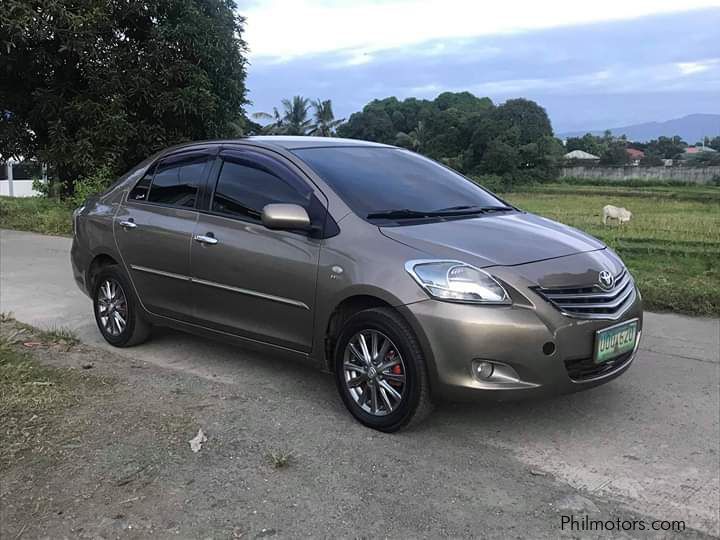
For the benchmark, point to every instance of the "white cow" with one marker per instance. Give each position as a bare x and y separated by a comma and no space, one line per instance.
623,215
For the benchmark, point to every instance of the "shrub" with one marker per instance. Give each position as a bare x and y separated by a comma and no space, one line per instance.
90,185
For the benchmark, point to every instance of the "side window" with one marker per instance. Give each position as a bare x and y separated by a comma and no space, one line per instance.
140,191
244,188
176,182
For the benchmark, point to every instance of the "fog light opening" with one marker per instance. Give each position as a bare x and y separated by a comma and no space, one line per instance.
484,370
548,348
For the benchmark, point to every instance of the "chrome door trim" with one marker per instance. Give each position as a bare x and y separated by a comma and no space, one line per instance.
160,272
248,292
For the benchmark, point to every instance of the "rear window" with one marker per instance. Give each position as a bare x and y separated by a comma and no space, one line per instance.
176,183
372,180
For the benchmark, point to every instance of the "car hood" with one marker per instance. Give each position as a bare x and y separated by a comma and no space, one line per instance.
491,240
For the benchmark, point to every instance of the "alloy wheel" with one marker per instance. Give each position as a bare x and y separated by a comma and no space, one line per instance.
112,307
374,372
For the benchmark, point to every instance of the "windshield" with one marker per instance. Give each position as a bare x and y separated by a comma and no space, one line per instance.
394,184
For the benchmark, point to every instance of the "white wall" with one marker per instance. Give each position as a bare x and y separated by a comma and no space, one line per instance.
21,188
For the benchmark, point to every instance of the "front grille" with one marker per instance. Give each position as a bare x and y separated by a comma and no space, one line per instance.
592,302
586,368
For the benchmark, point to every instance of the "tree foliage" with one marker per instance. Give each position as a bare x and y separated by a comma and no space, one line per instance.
608,148
95,84
325,121
295,119
469,133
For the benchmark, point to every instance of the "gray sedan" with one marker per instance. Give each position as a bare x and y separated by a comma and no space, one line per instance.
404,278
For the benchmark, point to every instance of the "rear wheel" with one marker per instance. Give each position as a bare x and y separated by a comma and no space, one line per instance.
116,309
380,371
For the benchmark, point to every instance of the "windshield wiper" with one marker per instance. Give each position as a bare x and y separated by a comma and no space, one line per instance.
406,213
398,214
469,209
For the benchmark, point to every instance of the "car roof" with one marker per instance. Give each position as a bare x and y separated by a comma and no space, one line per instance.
290,142
277,142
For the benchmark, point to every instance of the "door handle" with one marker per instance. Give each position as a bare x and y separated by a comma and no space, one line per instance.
208,239
128,224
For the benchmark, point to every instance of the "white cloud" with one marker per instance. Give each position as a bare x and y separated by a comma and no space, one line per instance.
286,29
690,68
661,77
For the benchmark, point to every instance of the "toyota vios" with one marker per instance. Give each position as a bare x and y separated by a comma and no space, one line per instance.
405,279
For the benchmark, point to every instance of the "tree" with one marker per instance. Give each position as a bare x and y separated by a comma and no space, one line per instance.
98,83
325,122
275,127
416,140
294,119
714,143
667,147
615,155
651,160
472,134
589,143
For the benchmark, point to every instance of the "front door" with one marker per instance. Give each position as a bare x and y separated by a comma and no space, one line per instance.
249,280
154,227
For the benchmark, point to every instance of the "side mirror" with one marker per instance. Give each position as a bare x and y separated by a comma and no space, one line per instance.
285,217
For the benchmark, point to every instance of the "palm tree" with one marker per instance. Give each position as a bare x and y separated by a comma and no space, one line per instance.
275,127
416,140
295,117
290,122
325,122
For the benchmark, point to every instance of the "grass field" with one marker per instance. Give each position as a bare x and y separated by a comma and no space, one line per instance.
36,214
671,246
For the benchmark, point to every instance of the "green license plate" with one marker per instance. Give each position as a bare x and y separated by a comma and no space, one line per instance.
614,341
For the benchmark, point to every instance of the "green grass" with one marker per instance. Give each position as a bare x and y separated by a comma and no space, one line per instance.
702,193
671,246
36,214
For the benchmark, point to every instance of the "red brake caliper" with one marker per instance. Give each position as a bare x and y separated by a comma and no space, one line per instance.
396,369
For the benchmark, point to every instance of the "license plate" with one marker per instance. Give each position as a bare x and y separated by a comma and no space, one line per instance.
615,341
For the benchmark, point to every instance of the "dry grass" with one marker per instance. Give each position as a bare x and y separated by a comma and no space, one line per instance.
29,391
280,459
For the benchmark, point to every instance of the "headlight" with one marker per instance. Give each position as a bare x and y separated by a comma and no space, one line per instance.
454,281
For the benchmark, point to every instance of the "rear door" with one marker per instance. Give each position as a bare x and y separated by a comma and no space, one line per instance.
250,280
154,227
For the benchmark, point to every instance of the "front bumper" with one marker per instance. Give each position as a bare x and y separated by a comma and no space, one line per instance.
454,335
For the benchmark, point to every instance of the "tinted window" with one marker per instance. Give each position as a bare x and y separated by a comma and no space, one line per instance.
244,188
140,191
176,182
372,180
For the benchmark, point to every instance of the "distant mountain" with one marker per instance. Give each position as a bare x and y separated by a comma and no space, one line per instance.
691,128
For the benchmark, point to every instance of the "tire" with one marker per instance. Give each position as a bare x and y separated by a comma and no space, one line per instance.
400,367
136,328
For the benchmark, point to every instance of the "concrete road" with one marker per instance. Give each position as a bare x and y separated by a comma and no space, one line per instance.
648,442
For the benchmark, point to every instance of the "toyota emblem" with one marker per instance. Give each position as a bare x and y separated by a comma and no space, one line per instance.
606,280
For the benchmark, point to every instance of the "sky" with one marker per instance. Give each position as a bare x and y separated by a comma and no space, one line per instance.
591,65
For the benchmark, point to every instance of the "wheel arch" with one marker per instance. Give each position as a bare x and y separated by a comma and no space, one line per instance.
99,261
348,306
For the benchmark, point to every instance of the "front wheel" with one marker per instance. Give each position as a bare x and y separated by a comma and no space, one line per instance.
380,371
117,313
